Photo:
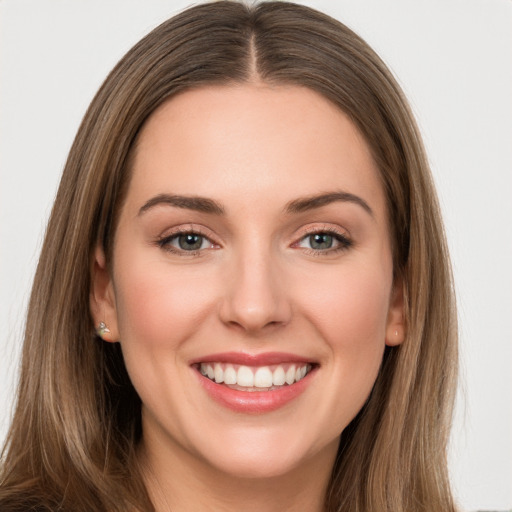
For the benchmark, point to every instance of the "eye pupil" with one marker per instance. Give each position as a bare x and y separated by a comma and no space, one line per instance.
190,242
321,241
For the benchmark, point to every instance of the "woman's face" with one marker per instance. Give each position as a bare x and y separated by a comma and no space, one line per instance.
252,288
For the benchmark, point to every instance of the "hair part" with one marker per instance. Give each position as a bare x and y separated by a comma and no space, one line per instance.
72,444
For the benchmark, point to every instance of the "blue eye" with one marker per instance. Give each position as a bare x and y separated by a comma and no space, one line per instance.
321,241
185,242
324,241
190,242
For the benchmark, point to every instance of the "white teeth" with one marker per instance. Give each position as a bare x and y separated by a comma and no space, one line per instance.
218,373
263,377
300,373
245,377
290,375
229,375
254,377
278,377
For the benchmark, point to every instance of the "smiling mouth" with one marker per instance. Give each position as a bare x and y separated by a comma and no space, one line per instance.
254,378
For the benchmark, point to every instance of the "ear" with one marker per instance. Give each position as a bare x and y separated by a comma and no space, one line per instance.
395,328
102,297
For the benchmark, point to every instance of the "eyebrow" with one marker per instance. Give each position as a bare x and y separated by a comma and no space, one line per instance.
205,205
319,200
199,204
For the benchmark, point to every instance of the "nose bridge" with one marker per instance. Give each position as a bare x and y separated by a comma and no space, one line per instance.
255,297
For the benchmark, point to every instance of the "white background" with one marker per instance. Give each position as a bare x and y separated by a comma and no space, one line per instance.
454,60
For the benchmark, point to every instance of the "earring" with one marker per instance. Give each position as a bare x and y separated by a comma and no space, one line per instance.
102,329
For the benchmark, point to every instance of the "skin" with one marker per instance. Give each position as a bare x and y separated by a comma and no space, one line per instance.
256,285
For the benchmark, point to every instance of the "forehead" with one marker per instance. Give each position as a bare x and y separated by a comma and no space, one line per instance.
274,142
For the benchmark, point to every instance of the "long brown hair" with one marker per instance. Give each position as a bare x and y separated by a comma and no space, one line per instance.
72,442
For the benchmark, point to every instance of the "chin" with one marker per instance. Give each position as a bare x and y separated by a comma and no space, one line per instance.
262,451
257,464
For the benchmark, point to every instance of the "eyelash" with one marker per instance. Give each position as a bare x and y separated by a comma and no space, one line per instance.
344,242
165,242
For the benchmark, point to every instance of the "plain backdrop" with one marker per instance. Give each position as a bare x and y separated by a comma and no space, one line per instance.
454,61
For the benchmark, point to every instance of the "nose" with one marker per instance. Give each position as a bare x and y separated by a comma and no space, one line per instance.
255,298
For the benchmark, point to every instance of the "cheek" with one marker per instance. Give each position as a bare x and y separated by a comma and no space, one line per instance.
351,307
159,310
349,310
159,305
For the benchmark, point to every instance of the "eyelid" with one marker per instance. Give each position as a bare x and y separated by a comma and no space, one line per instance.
322,227
325,227
187,228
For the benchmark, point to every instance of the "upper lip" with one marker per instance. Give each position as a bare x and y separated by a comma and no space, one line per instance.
244,358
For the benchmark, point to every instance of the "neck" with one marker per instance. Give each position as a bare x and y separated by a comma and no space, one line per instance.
178,481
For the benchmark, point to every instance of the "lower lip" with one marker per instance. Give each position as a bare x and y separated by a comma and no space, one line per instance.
254,402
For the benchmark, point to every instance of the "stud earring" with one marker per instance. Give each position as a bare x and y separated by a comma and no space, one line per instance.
102,329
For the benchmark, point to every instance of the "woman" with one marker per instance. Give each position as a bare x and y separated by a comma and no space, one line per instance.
244,297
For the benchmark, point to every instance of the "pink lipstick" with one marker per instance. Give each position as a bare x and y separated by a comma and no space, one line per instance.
249,383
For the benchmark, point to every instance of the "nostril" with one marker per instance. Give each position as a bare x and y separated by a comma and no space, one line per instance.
252,319
254,296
